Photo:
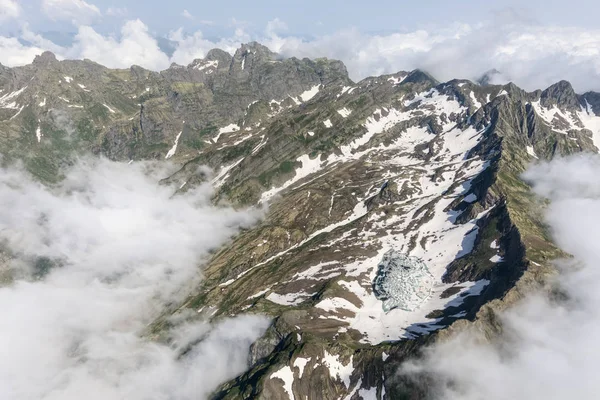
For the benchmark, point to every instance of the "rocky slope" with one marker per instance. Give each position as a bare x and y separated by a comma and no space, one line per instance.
358,177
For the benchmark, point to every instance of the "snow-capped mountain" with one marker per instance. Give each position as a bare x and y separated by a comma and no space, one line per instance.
396,211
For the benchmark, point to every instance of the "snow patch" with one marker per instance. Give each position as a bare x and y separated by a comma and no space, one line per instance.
476,102
496,259
18,112
344,112
554,116
300,363
259,294
590,121
309,166
287,376
333,304
220,179
395,80
310,93
337,370
531,152
207,64
346,89
226,129
171,152
262,142
108,108
6,100
368,394
289,299
38,132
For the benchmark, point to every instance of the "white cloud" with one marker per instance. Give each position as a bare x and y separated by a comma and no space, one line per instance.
275,26
39,41
186,14
124,247
77,11
135,46
532,56
116,11
549,349
9,9
190,47
13,52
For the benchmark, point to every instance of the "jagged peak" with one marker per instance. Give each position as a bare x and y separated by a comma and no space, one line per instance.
256,49
47,57
490,77
420,76
561,94
176,66
217,54
513,90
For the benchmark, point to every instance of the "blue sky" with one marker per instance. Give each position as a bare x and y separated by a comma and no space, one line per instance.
313,17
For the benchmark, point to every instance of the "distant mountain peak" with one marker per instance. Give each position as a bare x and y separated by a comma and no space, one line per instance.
490,77
420,76
561,94
45,58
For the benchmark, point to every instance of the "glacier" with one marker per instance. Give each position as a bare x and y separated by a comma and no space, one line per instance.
402,281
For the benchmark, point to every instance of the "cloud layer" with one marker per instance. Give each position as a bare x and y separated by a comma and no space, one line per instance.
533,56
77,11
549,350
92,262
9,9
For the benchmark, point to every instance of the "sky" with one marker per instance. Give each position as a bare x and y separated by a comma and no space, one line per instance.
308,17
533,45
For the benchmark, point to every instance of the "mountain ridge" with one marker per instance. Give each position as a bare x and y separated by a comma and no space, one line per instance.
350,170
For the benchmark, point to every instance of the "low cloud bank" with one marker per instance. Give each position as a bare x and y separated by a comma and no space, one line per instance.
92,262
549,349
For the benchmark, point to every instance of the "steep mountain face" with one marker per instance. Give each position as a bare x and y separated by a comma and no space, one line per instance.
396,212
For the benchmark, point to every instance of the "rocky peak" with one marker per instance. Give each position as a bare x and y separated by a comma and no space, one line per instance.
138,72
490,77
44,59
562,95
218,55
418,76
515,92
176,66
251,54
255,48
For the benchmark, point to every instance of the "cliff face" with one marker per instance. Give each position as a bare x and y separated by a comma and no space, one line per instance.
350,171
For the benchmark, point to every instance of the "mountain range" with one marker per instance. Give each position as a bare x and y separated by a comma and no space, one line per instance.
397,214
